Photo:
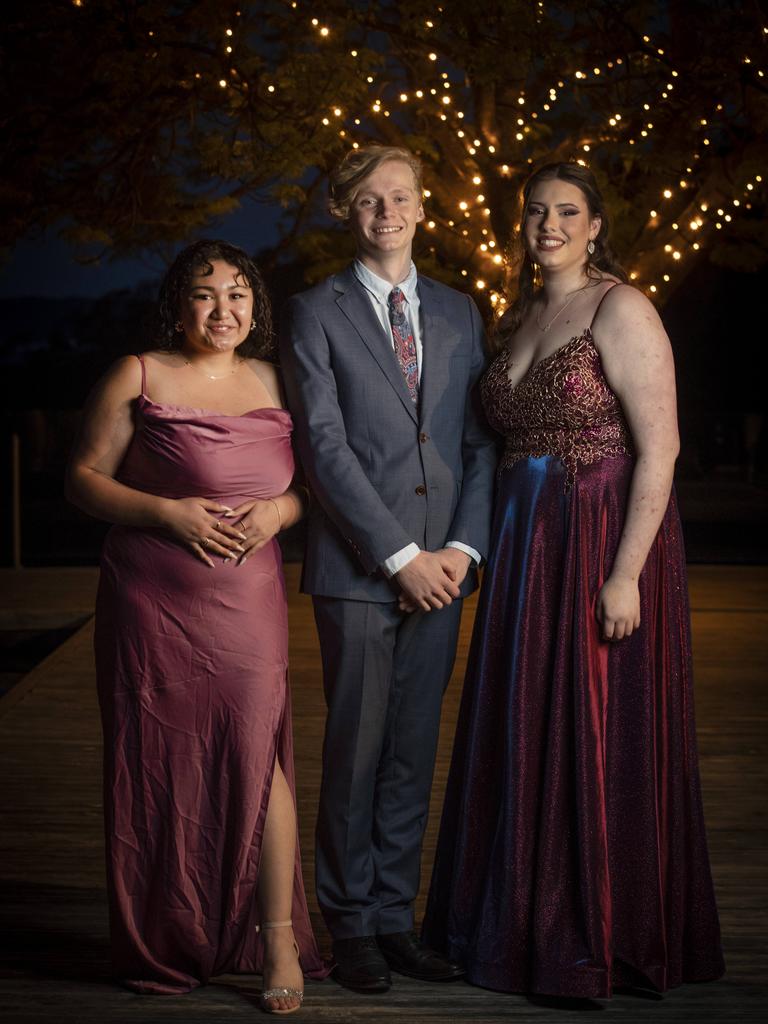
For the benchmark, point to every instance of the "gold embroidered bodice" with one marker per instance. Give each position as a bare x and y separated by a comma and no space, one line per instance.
563,406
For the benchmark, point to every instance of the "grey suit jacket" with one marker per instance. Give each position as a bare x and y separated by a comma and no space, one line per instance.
381,472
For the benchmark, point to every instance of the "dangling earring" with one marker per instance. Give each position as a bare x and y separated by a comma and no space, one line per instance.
178,327
537,281
591,247
253,324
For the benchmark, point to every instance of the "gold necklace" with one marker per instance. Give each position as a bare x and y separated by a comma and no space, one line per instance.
561,310
214,376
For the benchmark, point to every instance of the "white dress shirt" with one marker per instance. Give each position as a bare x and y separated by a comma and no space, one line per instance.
378,292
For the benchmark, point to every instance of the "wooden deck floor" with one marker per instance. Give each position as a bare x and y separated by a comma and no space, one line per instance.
52,904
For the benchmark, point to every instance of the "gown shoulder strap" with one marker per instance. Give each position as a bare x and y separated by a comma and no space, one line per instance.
610,288
144,374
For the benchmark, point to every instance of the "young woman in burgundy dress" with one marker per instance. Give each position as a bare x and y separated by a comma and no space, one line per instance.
572,856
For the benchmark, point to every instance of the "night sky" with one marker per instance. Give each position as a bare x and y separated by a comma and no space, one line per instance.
47,267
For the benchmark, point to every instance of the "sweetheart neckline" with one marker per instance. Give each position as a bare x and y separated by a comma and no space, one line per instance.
585,334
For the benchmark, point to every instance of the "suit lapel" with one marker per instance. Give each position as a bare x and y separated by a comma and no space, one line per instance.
355,304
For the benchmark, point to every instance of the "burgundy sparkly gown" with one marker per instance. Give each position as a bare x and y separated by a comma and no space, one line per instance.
192,678
572,855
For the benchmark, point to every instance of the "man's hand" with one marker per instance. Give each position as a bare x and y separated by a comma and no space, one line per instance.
455,562
431,579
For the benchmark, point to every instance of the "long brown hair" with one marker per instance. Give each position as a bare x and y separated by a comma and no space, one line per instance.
602,260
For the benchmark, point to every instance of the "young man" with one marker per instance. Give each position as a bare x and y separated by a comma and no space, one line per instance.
380,366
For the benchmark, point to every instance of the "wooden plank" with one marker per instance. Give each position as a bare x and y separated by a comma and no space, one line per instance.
52,906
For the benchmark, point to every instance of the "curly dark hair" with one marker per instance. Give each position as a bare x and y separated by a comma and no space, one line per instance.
602,260
196,259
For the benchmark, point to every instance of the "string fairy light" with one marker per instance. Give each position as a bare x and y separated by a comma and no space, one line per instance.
685,223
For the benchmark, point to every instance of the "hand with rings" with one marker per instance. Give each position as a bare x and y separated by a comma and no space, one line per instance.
259,520
201,525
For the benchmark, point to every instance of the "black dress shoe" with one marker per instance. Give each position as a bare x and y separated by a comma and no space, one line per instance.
407,954
360,965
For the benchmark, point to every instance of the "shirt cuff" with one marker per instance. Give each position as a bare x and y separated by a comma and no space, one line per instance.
399,560
474,555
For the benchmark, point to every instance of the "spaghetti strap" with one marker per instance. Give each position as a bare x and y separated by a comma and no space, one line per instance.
144,373
610,288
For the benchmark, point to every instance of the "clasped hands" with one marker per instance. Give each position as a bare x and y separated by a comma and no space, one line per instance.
210,528
432,579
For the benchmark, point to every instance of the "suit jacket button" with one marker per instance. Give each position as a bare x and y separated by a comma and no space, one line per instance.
421,489
423,438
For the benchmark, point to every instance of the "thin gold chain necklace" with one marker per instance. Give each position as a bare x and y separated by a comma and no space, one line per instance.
557,314
214,376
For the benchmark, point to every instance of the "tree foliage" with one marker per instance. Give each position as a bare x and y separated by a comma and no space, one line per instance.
135,123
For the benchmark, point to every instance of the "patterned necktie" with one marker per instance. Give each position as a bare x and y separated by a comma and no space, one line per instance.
405,346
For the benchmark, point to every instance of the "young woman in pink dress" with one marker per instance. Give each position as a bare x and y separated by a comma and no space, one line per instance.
572,855
187,451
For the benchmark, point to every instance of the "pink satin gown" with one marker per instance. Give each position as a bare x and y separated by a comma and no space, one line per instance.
192,678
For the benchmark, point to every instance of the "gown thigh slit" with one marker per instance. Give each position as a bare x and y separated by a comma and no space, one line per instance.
192,674
572,855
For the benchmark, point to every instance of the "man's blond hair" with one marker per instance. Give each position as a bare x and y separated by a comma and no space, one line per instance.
346,179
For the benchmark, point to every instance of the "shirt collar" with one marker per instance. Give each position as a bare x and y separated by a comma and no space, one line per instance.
380,288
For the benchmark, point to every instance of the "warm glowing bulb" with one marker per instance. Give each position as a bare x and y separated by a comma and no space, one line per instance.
479,284
432,56
476,180
462,205
223,83
667,193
